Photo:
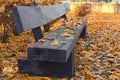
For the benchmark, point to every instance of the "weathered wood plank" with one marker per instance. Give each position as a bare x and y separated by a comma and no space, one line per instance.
44,51
51,69
30,17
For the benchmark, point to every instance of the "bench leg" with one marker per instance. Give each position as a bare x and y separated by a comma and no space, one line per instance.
37,33
83,33
50,69
64,16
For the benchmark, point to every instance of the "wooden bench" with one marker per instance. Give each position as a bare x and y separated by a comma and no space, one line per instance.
45,59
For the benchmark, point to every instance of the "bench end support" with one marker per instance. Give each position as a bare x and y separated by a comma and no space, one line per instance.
83,33
37,33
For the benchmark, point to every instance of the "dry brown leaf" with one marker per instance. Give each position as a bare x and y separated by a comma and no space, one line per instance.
55,42
113,77
42,40
62,42
47,38
8,69
91,79
65,35
117,73
2,9
73,32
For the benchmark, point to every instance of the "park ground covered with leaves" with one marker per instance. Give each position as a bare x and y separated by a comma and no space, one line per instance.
97,57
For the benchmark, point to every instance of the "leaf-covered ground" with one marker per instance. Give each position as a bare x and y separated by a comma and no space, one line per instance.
97,57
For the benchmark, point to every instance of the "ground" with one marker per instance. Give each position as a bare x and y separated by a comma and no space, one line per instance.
97,57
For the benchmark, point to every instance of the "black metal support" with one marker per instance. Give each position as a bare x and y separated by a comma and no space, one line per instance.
64,16
73,63
37,33
83,33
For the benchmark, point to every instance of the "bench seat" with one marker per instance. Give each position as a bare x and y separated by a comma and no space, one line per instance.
44,51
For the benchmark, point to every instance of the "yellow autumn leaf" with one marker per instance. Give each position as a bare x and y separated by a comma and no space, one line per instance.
55,42
117,73
8,69
113,77
73,32
86,57
91,79
42,40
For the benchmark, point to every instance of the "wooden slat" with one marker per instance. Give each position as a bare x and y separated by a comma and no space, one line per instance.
30,17
44,51
50,69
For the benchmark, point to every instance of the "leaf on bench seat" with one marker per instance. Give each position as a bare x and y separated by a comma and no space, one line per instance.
72,32
42,40
55,42
62,42
71,37
45,38
69,31
70,27
67,34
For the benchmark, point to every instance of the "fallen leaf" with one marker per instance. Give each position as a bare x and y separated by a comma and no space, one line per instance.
113,77
8,69
73,32
42,40
55,42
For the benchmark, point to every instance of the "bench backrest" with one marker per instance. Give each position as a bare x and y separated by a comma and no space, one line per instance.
31,17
